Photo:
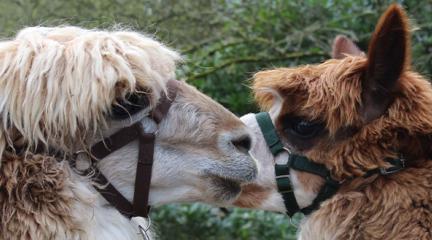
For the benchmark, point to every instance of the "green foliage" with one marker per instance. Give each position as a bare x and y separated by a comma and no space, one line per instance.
199,221
224,42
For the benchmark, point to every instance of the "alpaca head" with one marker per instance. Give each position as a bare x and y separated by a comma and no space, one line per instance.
352,113
66,88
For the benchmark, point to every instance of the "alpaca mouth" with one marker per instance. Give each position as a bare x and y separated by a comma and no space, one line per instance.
224,189
227,177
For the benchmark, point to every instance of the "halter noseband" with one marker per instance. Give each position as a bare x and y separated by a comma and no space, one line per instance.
302,163
146,142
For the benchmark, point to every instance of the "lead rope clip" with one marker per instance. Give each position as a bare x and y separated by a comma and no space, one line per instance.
293,223
143,226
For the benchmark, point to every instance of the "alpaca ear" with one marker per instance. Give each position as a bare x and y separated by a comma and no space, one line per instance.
342,45
387,58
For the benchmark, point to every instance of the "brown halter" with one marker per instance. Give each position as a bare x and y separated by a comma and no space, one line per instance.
139,206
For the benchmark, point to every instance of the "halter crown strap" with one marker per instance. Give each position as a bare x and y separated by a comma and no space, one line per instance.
165,102
331,186
302,163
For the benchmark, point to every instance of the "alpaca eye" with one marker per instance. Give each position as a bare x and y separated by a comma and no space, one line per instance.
130,105
304,128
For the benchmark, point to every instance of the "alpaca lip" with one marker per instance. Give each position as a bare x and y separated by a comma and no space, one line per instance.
224,188
226,184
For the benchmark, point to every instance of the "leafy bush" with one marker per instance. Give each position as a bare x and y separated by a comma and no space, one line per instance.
199,221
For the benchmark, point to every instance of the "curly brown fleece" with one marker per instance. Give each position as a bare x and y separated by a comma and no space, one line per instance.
33,194
373,107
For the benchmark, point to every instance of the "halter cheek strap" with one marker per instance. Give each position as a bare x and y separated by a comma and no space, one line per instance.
139,206
146,143
275,145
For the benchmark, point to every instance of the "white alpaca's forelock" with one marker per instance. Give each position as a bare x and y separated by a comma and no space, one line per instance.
58,83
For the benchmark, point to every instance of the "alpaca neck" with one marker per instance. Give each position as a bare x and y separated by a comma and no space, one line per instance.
95,217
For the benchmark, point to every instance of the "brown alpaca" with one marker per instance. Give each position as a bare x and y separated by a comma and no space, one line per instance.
352,114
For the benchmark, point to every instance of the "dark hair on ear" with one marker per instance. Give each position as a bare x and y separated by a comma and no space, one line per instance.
388,57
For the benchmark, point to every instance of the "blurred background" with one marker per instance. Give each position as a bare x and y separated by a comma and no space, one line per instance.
224,42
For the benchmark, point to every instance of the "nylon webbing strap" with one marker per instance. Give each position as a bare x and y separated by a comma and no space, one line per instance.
143,171
302,163
146,141
269,132
112,195
116,141
329,188
164,105
397,165
284,186
143,174
275,145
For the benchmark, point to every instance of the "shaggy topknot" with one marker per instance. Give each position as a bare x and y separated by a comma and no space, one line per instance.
58,84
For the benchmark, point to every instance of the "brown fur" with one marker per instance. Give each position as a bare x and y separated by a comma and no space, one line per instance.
33,192
252,196
343,46
373,108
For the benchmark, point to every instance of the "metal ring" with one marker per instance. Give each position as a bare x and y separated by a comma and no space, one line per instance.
286,149
91,162
283,176
292,223
144,230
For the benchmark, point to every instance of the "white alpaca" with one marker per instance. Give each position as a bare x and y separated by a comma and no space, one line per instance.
58,87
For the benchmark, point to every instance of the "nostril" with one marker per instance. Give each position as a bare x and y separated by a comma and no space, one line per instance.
243,143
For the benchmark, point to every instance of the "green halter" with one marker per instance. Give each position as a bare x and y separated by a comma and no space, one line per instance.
301,163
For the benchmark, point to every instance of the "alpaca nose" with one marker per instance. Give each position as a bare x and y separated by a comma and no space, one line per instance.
242,143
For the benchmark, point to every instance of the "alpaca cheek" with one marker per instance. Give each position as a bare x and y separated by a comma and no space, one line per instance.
252,196
306,187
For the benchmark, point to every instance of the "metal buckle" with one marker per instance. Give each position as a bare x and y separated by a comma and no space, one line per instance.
83,161
286,149
291,220
277,183
402,161
283,176
140,223
393,169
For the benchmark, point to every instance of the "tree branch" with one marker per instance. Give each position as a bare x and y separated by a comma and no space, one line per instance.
199,45
255,59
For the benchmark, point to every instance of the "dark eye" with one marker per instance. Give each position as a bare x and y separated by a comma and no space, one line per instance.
130,105
304,128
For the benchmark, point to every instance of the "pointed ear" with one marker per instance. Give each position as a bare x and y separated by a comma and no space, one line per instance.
388,57
342,45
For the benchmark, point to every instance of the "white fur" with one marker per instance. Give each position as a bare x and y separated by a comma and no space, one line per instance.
266,175
304,198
